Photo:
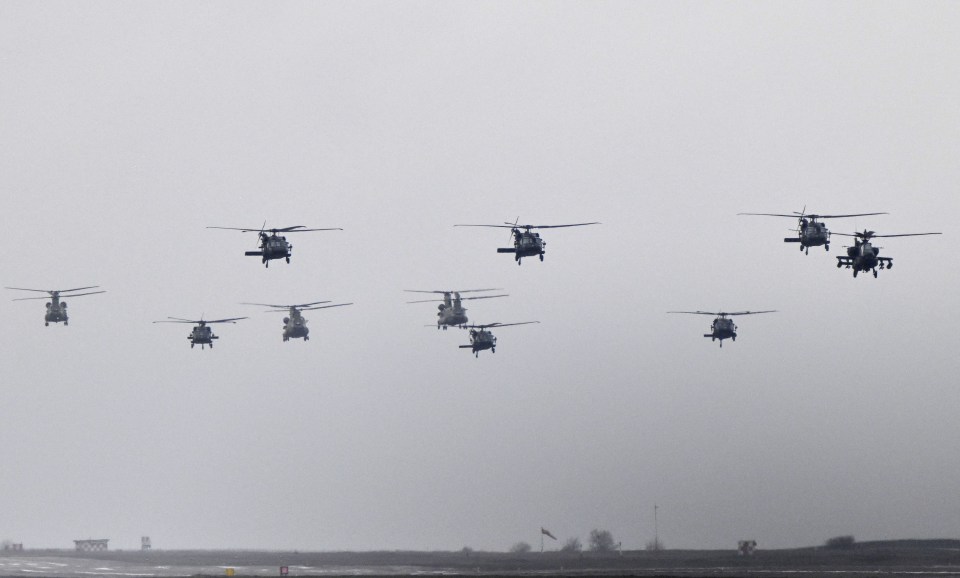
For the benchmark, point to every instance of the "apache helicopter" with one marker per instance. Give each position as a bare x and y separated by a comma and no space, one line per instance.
863,256
481,339
273,246
810,232
201,334
56,310
722,328
525,242
295,325
451,313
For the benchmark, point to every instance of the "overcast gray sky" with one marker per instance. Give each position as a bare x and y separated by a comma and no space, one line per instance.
128,127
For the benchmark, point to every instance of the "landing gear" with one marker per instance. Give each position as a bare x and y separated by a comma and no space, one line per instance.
874,273
541,257
266,263
855,271
493,350
807,252
191,345
65,323
288,259
839,264
827,246
306,338
46,324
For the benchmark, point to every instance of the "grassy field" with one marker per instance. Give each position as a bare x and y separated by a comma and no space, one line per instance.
902,557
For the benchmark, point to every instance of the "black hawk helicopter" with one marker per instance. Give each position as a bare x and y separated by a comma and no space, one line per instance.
201,334
525,242
722,327
295,324
451,312
863,256
810,232
56,309
481,339
273,246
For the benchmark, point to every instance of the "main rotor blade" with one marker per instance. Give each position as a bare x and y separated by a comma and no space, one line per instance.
871,235
453,291
555,226
507,226
46,298
81,294
325,306
305,230
844,216
486,325
284,306
176,320
695,312
462,298
78,289
22,289
794,216
229,320
236,229
750,312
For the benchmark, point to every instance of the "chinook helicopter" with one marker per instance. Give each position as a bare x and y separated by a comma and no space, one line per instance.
525,242
863,256
810,232
273,246
451,312
481,339
295,324
56,309
201,334
722,327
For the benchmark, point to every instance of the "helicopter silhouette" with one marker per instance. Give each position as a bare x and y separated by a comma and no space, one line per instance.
295,324
481,339
202,334
722,327
56,309
811,232
525,242
863,256
273,246
451,312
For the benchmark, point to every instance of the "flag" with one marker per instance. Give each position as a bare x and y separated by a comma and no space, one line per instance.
546,532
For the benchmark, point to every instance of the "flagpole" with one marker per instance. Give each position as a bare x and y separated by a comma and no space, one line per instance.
541,540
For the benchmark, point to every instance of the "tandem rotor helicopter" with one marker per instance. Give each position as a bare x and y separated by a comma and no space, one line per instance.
273,246
525,242
722,327
202,334
811,232
481,339
56,309
451,312
295,324
863,256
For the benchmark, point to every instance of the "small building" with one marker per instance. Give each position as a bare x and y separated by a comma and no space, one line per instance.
145,543
91,545
12,547
746,547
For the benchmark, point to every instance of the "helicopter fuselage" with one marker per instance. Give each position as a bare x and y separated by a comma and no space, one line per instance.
295,326
480,340
722,328
811,234
56,312
526,244
202,335
272,247
863,256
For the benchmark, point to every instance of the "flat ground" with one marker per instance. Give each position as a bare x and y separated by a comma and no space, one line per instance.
892,558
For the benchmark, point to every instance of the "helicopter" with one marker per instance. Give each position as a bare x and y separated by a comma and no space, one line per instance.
451,313
525,242
863,256
56,310
481,339
295,325
722,327
810,232
201,334
274,246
